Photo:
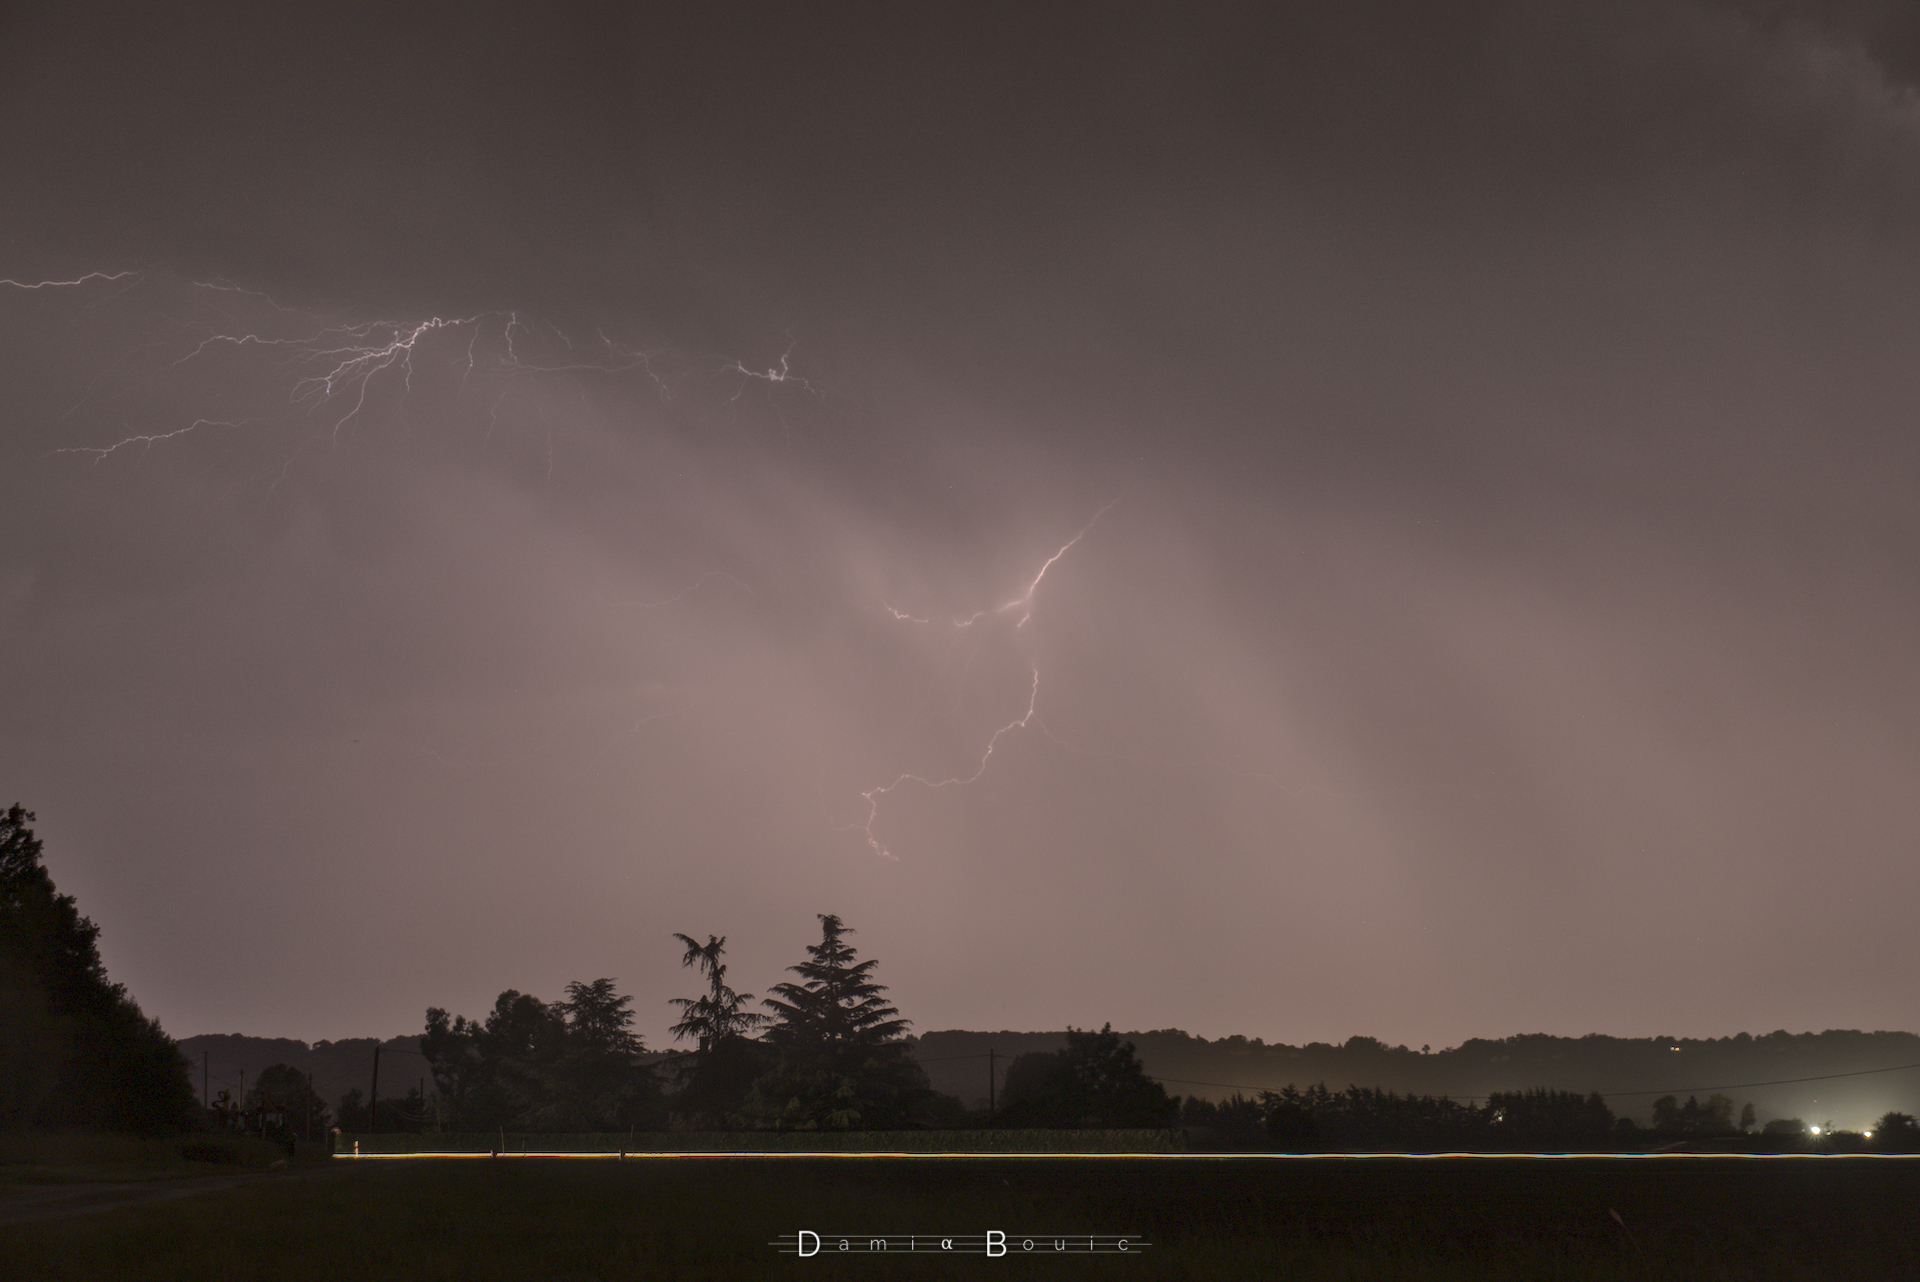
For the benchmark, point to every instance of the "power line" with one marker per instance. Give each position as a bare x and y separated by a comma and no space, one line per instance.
1785,1081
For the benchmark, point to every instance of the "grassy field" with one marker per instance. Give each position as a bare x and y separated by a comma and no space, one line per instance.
93,1158
716,1217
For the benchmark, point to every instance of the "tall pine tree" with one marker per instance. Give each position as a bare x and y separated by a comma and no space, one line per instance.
716,1076
841,1061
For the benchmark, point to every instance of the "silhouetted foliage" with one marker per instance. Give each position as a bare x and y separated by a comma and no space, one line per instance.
1694,1118
403,1116
595,1080
720,1013
77,1050
838,1060
483,1071
717,1092
1626,1067
1096,1080
1291,1126
287,1102
1235,1123
570,1066
1546,1121
716,1077
1361,1119
1896,1133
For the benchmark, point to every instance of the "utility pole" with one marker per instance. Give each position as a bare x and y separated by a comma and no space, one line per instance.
373,1092
990,1108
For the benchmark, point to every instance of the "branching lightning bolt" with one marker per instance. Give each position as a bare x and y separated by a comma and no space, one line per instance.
1024,604
324,369
331,369
772,376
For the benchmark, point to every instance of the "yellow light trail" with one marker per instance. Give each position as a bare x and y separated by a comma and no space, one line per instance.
761,1154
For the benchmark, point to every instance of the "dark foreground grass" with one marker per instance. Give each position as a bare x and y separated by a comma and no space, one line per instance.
475,1219
91,1157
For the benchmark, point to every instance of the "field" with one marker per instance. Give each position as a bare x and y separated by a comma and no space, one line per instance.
40,1159
718,1217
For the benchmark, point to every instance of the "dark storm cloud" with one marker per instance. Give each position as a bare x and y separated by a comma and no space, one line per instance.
1504,610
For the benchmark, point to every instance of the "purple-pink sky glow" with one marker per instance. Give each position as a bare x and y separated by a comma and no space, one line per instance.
1396,520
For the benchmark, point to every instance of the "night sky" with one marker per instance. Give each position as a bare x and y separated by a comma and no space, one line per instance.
1388,519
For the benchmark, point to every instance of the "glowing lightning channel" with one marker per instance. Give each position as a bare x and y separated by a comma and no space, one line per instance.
222,285
349,355
1023,603
146,442
697,584
620,360
331,367
62,284
771,376
355,365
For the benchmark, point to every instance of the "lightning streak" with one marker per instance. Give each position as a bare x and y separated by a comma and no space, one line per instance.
64,284
1022,603
331,369
221,285
772,375
697,584
347,356
328,368
356,363
147,441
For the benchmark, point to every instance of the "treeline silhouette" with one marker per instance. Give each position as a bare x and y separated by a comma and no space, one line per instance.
1363,1119
77,1051
1855,1076
830,1053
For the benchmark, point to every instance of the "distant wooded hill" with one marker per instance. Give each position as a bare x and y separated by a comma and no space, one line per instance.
336,1067
1630,1072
